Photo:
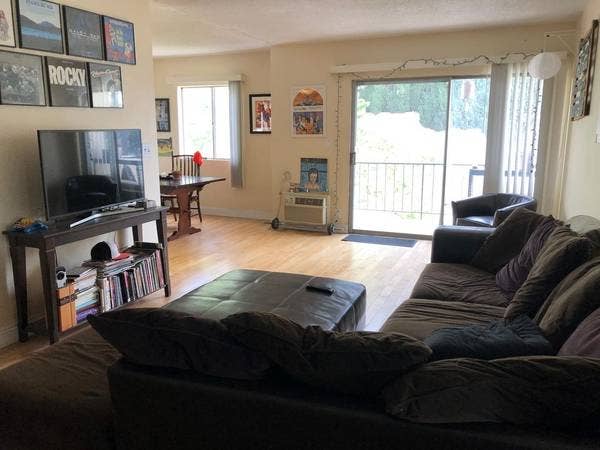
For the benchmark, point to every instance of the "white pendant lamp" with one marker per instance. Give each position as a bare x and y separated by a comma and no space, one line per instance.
544,66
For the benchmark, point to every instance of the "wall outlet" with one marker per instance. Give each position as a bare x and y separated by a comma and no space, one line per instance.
146,148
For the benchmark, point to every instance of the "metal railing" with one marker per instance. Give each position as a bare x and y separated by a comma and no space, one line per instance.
410,188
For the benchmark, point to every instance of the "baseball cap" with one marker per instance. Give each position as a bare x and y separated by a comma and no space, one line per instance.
106,251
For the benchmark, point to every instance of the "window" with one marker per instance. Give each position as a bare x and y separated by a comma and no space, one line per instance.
204,119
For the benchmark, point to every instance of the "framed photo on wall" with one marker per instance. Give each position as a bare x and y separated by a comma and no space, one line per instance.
106,85
40,27
308,111
119,40
584,74
165,147
21,79
163,115
7,29
260,113
67,82
83,33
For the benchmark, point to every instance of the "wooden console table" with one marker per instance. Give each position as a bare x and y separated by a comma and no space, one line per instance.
60,234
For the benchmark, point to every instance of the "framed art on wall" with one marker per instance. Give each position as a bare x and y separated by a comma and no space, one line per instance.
163,115
21,79
308,111
40,26
106,85
313,174
584,74
7,29
260,113
67,82
119,40
83,33
165,147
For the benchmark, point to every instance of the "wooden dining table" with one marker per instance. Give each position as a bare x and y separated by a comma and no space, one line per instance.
183,188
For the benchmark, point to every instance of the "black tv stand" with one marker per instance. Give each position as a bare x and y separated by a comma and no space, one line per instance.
59,234
104,213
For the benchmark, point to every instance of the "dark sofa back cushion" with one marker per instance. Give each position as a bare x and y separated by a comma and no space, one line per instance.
562,253
512,276
165,338
577,296
359,363
498,339
537,390
585,340
507,240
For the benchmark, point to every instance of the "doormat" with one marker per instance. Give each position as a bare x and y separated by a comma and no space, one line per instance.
381,240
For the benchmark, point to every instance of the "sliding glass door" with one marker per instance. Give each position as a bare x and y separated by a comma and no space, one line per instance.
418,144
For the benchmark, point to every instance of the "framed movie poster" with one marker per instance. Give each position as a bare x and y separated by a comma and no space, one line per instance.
308,111
21,79
313,174
39,25
67,82
260,113
163,115
83,33
7,29
119,40
106,85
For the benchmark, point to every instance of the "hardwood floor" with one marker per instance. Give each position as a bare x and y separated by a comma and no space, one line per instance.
224,244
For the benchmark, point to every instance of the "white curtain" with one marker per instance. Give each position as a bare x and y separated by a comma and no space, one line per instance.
513,133
235,132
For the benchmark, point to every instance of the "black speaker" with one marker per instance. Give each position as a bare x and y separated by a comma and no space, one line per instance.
61,277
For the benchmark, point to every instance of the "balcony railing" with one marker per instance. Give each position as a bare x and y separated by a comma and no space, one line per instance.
413,189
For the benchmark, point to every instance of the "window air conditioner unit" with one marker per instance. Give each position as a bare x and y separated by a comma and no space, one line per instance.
305,208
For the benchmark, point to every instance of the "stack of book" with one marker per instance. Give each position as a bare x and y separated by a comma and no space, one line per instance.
86,292
67,315
124,280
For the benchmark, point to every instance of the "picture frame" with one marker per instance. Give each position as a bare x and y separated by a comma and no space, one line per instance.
83,33
581,99
313,174
22,79
260,113
40,26
106,85
7,24
165,147
308,111
163,115
67,82
119,40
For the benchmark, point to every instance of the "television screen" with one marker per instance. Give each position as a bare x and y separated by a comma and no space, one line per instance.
88,170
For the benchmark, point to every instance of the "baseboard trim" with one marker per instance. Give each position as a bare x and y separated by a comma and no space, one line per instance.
9,336
241,213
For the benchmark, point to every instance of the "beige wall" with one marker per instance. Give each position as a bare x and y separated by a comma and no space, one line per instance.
254,200
20,179
582,183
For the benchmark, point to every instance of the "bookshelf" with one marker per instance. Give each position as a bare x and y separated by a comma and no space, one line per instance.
60,234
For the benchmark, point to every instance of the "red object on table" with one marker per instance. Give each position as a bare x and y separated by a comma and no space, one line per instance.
198,158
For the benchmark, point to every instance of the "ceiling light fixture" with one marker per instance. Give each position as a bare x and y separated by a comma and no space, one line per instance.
547,64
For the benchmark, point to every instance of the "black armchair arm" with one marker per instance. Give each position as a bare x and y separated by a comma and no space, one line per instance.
503,213
483,205
457,245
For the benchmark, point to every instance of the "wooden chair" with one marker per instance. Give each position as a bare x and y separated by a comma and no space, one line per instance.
186,165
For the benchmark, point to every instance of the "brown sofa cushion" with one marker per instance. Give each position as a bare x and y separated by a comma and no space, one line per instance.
458,283
534,390
419,318
577,295
507,240
585,340
564,251
164,338
351,362
512,276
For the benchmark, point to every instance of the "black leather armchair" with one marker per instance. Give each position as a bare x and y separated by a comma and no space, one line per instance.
489,210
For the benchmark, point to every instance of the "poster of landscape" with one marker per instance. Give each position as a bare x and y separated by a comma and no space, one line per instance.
39,25
83,30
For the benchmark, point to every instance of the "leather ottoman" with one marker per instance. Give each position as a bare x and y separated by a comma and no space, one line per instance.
284,294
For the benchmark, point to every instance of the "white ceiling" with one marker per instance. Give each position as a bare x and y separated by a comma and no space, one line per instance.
200,27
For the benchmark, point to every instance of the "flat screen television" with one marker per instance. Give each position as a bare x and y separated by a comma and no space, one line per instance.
90,170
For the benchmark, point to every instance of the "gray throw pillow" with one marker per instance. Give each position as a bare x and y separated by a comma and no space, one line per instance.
161,337
562,253
576,297
512,276
498,339
507,240
585,340
534,390
358,363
